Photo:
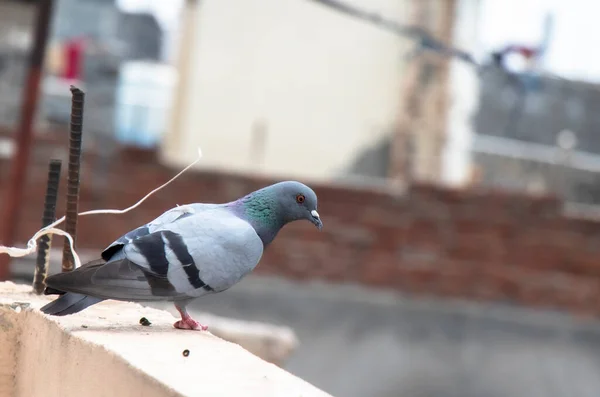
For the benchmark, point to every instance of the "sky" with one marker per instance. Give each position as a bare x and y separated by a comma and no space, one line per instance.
574,42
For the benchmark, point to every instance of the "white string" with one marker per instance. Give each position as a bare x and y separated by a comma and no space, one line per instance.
16,252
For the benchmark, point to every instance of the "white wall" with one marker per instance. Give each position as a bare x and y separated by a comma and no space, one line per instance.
323,85
464,97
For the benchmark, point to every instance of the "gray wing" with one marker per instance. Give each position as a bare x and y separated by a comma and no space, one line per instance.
208,251
120,280
211,250
167,217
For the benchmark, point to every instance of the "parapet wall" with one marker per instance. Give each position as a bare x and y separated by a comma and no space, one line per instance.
472,244
105,352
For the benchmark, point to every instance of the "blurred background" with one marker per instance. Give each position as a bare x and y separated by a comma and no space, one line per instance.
457,167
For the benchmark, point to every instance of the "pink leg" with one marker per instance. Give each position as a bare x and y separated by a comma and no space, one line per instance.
187,322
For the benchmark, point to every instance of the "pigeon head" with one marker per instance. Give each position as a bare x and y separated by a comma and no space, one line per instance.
297,201
272,207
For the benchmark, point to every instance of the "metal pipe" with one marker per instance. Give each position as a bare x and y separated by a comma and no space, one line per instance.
78,98
24,133
45,242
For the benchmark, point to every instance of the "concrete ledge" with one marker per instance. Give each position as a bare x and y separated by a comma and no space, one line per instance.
103,351
270,342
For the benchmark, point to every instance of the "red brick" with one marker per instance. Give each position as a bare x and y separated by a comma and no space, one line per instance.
418,279
455,278
389,238
536,256
560,291
471,243
379,216
379,269
427,233
582,264
353,235
479,249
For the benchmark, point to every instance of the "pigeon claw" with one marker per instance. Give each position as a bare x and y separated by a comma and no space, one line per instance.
191,324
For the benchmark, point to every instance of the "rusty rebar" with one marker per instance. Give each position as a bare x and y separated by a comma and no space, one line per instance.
45,242
75,138
24,134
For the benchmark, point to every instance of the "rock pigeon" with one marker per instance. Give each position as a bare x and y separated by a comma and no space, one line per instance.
187,252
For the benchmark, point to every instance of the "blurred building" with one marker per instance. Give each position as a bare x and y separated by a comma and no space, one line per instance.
539,133
301,81
16,23
89,42
266,81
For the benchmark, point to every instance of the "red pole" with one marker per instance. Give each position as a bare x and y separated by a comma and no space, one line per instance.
24,134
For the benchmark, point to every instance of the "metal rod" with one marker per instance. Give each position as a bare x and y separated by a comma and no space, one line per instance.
77,101
24,134
45,242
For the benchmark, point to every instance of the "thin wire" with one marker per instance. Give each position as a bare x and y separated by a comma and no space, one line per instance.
16,252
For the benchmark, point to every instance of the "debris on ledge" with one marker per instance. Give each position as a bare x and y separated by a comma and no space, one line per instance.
272,343
105,351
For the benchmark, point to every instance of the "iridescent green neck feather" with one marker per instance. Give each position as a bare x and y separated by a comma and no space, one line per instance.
262,210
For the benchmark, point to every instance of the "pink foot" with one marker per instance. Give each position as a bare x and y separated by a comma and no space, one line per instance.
190,323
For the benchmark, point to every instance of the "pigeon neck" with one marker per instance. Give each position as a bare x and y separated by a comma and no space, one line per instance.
263,213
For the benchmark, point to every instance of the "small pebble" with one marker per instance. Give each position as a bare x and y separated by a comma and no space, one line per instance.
84,326
19,306
145,322
186,353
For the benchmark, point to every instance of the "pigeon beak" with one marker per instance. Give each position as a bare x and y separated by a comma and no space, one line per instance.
316,219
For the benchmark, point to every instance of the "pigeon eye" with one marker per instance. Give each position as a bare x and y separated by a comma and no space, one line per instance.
300,198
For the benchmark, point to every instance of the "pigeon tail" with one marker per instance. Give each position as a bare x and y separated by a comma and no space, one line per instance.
69,303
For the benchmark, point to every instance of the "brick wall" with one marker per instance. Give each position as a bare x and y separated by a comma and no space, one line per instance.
429,241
